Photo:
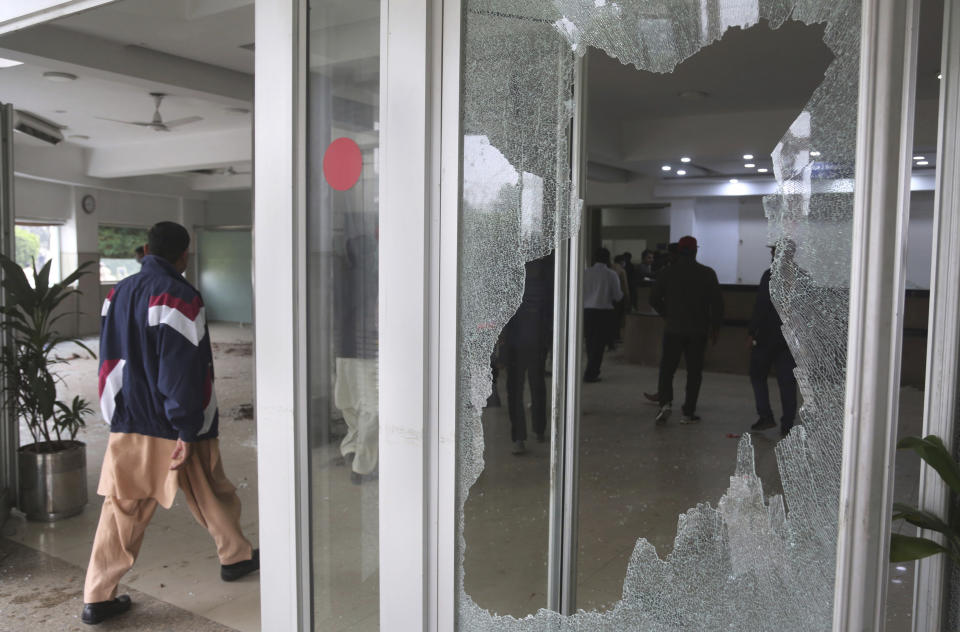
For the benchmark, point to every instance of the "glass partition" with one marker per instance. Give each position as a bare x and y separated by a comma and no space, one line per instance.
343,95
751,553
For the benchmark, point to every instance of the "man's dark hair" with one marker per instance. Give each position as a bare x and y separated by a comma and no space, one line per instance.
139,250
168,240
619,259
627,256
602,255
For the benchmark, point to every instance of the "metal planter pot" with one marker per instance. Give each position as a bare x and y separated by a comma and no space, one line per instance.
53,485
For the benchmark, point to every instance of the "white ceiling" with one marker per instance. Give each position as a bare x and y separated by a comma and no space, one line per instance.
82,104
756,80
211,31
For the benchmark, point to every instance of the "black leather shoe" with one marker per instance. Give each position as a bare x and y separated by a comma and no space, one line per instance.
100,611
233,572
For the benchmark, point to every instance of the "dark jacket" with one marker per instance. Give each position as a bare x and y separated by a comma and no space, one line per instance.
687,295
156,365
532,326
765,324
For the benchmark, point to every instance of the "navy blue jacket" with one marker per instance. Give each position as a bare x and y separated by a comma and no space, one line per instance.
156,365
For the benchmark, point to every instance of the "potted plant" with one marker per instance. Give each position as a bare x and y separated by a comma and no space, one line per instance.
53,469
906,548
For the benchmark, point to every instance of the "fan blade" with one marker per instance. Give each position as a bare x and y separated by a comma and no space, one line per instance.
183,121
138,123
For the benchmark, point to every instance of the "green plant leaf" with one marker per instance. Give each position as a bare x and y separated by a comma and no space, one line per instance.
921,518
906,548
935,454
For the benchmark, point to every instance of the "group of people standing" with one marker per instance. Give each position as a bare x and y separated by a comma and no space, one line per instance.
685,293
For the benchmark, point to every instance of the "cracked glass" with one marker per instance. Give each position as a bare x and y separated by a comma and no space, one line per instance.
751,561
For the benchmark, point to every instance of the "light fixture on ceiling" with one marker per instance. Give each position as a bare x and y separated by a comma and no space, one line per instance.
733,181
80,136
681,172
939,75
922,163
749,165
748,156
59,111
685,159
61,77
814,153
9,63
666,168
238,110
919,158
693,95
762,170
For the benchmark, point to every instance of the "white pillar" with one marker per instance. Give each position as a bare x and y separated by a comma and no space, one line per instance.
881,210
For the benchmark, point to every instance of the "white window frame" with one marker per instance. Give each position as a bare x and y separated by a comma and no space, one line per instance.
420,112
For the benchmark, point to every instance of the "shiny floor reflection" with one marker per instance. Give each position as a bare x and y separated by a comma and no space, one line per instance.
635,480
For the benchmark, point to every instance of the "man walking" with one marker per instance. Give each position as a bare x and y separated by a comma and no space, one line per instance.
156,392
527,338
601,291
687,295
769,350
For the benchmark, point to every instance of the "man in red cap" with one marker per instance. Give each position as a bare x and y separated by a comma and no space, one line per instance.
687,295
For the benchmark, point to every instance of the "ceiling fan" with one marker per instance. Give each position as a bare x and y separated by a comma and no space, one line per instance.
158,124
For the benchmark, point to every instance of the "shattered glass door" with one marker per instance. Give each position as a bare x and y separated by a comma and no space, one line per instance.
751,561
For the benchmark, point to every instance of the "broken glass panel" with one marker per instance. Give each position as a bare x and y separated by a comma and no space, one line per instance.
752,562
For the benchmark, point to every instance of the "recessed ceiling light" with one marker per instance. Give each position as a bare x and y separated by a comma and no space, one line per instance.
666,167
80,136
749,165
59,76
238,110
681,172
762,170
748,156
693,94
919,158
9,63
733,181
685,159
922,163
939,75
59,111
814,153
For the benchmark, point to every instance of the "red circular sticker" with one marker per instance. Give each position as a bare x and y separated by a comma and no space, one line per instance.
342,164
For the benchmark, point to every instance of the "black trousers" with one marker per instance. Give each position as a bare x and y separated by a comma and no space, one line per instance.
526,362
692,349
599,326
762,359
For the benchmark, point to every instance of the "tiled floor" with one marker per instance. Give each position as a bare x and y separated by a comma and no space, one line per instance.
178,562
635,480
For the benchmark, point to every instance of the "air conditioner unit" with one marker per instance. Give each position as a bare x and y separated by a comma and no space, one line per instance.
39,128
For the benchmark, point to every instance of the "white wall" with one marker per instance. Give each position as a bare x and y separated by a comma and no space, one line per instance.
920,240
49,185
717,229
230,208
753,256
733,235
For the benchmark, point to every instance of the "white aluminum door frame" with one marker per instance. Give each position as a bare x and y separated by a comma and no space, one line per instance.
409,98
877,286
943,344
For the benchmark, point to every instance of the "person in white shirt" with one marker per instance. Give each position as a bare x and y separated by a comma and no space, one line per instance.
601,291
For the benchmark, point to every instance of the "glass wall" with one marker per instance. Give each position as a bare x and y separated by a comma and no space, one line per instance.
342,292
756,551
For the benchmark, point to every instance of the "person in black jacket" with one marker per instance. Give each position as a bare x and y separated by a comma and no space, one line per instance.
687,295
769,350
526,339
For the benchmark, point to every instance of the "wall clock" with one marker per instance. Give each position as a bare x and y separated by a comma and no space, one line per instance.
88,203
